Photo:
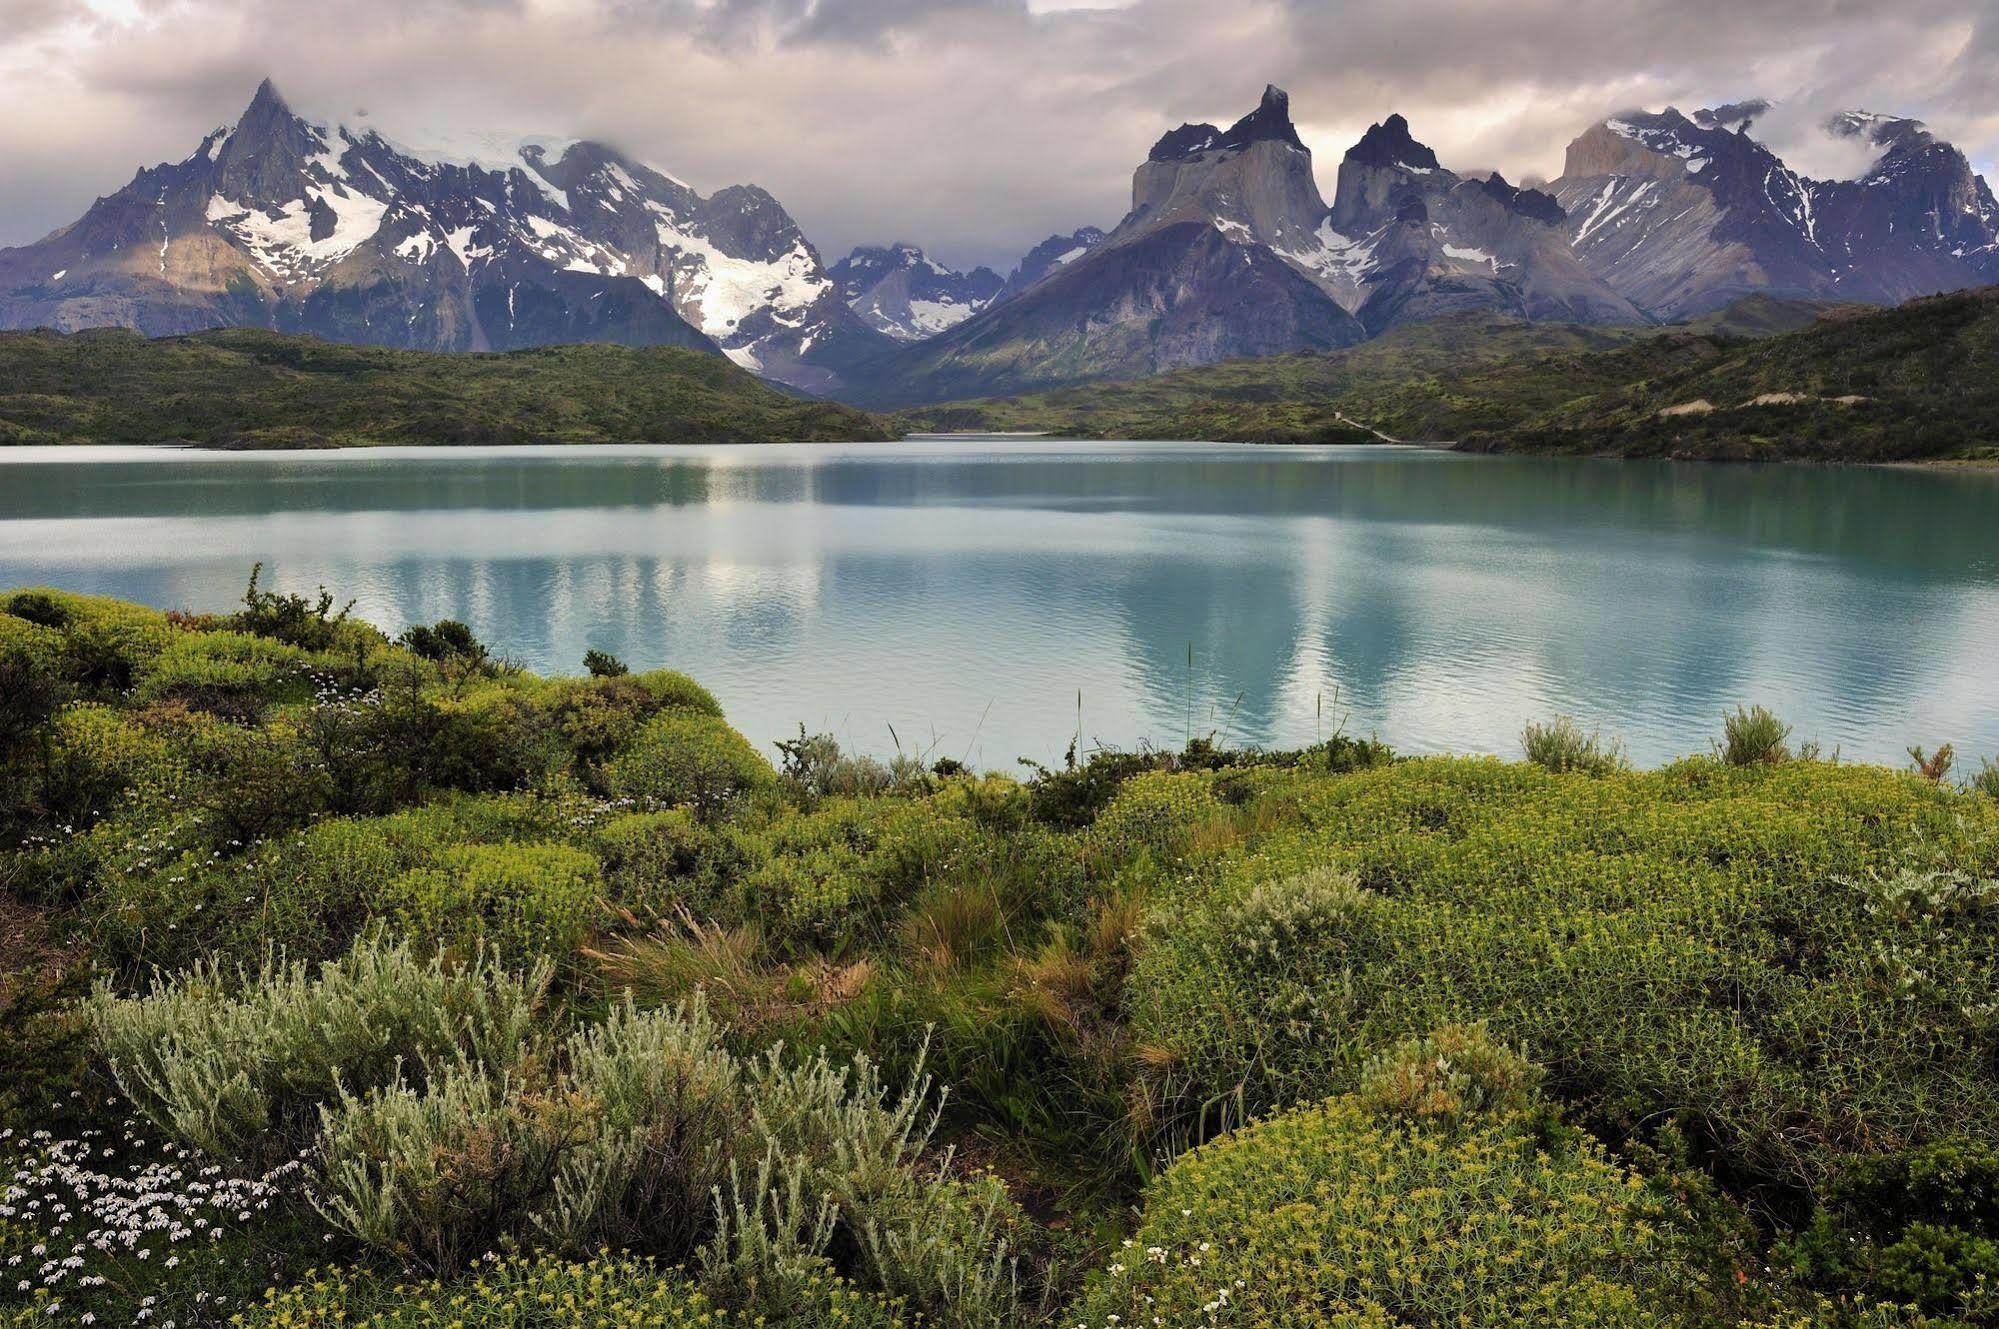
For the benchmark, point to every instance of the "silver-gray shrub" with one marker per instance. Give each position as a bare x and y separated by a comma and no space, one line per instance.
236,1062
665,1099
1561,745
934,1241
438,1175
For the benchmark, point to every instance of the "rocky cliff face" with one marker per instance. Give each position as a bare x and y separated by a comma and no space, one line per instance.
902,293
1407,239
1190,276
281,223
1685,214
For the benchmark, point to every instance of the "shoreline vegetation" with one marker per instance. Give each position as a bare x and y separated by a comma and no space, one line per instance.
349,978
1764,380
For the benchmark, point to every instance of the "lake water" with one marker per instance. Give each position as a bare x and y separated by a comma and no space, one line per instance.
964,592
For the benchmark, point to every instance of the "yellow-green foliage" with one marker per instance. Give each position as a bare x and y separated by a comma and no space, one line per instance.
1153,814
1332,1216
1776,951
544,1292
1457,1072
231,673
97,634
683,757
525,899
809,874
675,691
96,754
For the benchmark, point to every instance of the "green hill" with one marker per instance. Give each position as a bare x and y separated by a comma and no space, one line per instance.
243,387
1919,381
1832,383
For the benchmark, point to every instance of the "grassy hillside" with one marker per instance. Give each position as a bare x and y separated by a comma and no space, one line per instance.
331,963
1917,382
1279,399
248,388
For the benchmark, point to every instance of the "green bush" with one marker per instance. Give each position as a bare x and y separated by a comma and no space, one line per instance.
1754,738
1917,1226
688,758
1562,745
1154,814
526,900
236,1063
675,691
95,756
1331,1216
100,645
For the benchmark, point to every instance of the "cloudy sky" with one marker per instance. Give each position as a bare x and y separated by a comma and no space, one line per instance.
973,127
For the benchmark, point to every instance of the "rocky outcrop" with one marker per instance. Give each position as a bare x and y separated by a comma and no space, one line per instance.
1057,251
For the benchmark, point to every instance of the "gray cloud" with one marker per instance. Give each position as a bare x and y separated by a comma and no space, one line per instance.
974,127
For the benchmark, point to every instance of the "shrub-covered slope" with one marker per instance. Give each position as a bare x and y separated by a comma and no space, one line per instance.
246,388
349,979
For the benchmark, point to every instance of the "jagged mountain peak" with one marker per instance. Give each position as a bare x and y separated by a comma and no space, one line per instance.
1270,121
1542,207
1391,144
1736,117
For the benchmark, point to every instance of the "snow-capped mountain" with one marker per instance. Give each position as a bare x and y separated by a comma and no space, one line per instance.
339,232
900,291
1683,214
1057,251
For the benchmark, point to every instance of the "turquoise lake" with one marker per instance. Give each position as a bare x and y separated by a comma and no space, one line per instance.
956,596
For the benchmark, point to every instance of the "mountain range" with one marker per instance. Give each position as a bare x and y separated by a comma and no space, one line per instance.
1229,250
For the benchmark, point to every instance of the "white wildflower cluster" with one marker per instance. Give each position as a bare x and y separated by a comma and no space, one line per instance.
73,1209
1211,1310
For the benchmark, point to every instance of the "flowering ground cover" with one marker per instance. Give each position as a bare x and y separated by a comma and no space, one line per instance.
349,979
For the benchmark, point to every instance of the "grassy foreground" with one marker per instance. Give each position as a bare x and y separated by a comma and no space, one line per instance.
349,980
1767,381
242,387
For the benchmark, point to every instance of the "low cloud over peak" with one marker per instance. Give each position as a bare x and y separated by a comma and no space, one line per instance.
976,126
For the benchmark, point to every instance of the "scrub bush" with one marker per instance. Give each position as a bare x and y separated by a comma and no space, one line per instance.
1754,738
1330,1215
688,758
1562,745
1795,961
236,1063
1453,1074
231,674
544,1291
526,900
675,691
